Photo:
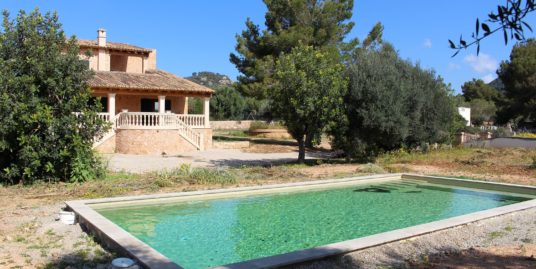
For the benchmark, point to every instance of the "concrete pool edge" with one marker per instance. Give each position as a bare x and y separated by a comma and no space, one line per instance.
118,239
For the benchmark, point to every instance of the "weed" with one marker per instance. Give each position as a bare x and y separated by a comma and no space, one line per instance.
82,254
397,168
496,234
533,163
508,228
371,168
211,176
527,240
20,239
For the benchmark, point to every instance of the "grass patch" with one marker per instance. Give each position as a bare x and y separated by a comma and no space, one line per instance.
403,156
266,125
237,133
526,135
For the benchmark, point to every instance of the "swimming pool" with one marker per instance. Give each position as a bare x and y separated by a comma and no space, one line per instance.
237,226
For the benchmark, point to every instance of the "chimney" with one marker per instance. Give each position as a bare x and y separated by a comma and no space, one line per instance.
101,37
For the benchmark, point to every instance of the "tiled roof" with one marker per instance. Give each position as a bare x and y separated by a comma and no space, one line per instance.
112,45
150,80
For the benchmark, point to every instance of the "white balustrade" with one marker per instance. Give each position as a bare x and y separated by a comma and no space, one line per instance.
193,120
104,116
145,120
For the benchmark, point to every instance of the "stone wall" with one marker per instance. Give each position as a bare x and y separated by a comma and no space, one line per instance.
231,125
504,142
151,142
134,64
130,102
462,138
150,62
207,136
107,146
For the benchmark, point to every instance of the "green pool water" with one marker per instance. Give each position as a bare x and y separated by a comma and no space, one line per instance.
206,233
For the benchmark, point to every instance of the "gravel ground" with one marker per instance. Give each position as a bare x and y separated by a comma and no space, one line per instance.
32,237
511,230
209,158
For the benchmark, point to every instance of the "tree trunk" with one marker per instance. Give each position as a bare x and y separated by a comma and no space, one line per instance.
301,150
309,141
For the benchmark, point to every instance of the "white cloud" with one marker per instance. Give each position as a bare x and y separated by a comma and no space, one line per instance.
482,63
427,43
454,66
488,78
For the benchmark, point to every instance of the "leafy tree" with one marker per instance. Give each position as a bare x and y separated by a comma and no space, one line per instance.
478,89
519,78
481,98
317,23
257,109
227,104
42,82
482,110
391,103
195,105
308,95
509,19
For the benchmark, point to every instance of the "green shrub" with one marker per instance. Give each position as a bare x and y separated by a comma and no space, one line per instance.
227,104
502,132
471,130
43,81
392,103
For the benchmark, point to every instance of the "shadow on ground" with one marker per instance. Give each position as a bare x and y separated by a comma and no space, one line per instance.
312,158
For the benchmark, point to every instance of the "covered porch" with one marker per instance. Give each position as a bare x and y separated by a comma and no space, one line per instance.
149,113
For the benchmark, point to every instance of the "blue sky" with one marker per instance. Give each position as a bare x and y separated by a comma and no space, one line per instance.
198,35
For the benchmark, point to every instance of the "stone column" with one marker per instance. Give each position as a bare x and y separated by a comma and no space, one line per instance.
206,111
161,104
111,106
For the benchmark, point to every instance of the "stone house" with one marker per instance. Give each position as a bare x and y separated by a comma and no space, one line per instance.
147,107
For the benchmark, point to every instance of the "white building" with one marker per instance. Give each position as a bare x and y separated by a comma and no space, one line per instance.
465,112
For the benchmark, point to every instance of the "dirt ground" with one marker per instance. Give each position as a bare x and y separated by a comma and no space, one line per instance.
30,237
508,257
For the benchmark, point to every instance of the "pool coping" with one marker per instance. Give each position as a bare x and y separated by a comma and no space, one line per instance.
120,240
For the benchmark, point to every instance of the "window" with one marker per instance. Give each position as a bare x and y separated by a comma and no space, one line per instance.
118,62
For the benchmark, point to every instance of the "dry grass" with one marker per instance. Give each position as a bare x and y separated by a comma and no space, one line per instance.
503,165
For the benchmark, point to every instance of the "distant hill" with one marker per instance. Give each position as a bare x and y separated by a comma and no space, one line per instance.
210,79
